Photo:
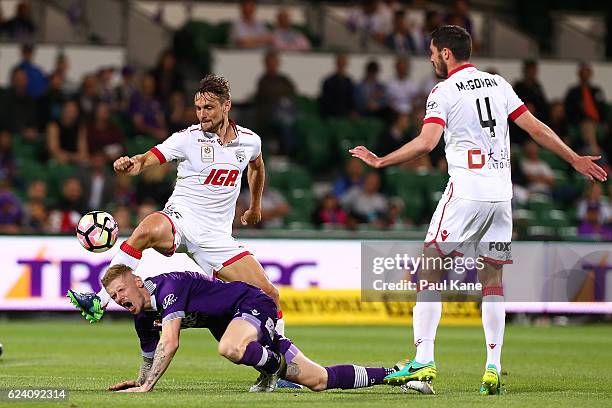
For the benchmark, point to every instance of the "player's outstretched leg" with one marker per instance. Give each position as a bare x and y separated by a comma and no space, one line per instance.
155,231
494,324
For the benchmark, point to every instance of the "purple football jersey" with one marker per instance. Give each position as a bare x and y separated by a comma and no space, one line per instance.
199,300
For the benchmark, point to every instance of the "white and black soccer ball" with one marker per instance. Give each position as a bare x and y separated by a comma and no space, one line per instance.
97,231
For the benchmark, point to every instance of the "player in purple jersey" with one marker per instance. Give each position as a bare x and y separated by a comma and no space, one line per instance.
240,316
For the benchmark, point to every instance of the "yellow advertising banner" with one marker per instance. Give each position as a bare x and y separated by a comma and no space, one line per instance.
337,307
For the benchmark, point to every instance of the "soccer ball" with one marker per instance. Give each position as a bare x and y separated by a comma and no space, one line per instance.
97,231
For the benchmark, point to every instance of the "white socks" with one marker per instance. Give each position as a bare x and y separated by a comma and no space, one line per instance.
425,319
494,323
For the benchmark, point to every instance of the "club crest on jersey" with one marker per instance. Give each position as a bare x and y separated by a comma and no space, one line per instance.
168,300
240,155
208,154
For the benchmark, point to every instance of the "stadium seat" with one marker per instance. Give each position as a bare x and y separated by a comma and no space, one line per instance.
306,105
302,204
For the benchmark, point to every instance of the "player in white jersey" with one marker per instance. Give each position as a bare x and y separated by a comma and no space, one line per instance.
472,109
197,218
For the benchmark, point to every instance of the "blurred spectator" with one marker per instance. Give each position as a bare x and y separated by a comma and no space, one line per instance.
106,93
459,15
127,88
589,145
400,39
145,209
104,136
530,90
338,91
123,217
50,104
557,120
37,81
585,101
275,103
274,208
36,218
371,19
371,94
88,96
353,177
97,182
247,32
367,204
153,185
147,112
395,219
18,113
594,214
7,158
329,212
401,90
69,87
11,212
396,135
540,177
37,191
65,218
21,27
124,192
168,79
67,137
179,116
285,38
422,37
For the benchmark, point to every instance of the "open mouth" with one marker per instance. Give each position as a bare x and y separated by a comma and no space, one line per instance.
128,305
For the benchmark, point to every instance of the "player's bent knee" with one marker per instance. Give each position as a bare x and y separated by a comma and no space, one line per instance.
319,384
231,351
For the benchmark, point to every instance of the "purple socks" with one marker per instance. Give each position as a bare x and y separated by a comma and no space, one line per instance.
352,376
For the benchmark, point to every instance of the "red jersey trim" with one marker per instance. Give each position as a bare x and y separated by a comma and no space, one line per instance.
438,121
459,68
158,154
517,112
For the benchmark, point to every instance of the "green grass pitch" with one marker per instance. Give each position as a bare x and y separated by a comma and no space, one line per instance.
556,366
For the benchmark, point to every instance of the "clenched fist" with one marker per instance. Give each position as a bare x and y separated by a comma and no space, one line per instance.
126,165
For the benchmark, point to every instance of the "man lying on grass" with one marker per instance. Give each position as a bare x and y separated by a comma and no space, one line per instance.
240,316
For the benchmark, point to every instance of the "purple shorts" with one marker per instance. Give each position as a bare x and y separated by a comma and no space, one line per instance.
261,312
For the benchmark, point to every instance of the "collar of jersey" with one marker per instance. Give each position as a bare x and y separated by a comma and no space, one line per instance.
459,68
150,286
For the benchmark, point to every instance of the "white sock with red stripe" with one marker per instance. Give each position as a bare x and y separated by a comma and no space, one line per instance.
127,255
280,324
425,319
494,323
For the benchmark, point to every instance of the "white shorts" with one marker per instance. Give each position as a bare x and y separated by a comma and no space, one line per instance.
461,227
211,251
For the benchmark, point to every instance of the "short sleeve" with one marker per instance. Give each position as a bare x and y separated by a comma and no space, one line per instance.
436,109
514,105
256,148
170,149
171,297
147,332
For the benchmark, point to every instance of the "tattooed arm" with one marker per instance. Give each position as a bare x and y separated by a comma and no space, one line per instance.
166,348
145,368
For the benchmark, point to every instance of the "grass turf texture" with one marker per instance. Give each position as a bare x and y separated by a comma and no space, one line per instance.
557,366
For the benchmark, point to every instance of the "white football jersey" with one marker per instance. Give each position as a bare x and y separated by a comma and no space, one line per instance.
474,107
209,173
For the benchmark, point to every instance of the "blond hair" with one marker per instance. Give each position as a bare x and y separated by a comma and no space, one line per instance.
115,272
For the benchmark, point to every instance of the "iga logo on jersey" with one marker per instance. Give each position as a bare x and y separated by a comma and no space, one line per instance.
216,177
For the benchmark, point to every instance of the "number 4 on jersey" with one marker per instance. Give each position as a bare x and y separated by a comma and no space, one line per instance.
489,123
